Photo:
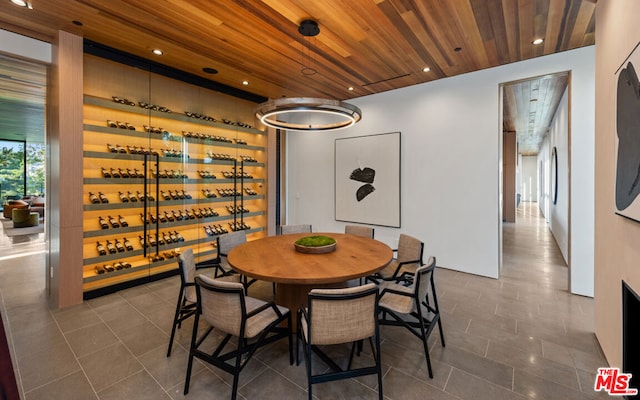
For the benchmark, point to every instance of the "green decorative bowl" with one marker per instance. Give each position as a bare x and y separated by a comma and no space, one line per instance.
315,244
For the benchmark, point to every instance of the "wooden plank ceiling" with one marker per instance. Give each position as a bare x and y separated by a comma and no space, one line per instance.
369,45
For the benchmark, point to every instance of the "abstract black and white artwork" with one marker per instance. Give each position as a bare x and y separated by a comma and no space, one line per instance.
627,185
367,179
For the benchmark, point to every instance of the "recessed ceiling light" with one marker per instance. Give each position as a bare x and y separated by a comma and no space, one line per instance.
350,88
209,70
22,3
426,69
538,41
157,52
245,83
457,49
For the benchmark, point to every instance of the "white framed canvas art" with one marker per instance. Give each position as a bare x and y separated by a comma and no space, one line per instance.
367,179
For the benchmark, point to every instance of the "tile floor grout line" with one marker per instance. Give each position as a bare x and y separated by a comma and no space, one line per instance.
12,349
55,320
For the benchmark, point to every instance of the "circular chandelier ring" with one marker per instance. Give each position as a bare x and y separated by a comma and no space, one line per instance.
269,112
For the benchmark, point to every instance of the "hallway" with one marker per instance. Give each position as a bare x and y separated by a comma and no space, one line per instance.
520,337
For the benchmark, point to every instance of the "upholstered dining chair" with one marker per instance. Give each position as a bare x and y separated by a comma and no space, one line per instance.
225,243
339,316
186,305
407,260
359,230
302,228
224,307
414,307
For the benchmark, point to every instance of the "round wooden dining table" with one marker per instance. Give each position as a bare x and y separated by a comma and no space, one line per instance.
275,259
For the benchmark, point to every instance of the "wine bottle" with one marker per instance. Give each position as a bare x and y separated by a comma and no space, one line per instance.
168,216
123,222
114,173
119,246
165,195
114,222
123,198
143,219
143,243
103,223
111,248
106,173
178,236
103,198
191,215
101,250
117,265
172,237
108,268
93,198
167,238
152,241
127,244
176,215
100,269
159,217
123,173
132,197
140,195
151,198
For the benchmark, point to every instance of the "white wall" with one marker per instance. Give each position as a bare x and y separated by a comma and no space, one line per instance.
23,46
450,162
557,215
529,178
617,254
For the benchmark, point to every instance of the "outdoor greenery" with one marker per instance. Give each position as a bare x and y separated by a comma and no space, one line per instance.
12,178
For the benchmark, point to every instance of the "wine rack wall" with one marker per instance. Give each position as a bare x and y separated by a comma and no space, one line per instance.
158,181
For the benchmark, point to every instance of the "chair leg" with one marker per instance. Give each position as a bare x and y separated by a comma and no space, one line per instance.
441,333
423,336
192,348
236,372
187,380
175,322
290,340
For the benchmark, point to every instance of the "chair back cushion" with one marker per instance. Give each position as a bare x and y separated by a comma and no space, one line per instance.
342,315
423,278
409,248
221,303
358,230
229,241
287,229
187,264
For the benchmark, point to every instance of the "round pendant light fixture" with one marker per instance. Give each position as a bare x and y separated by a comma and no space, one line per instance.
308,114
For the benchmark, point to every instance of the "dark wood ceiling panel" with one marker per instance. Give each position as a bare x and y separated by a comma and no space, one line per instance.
372,46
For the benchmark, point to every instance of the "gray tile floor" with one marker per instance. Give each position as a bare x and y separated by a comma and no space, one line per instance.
520,337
